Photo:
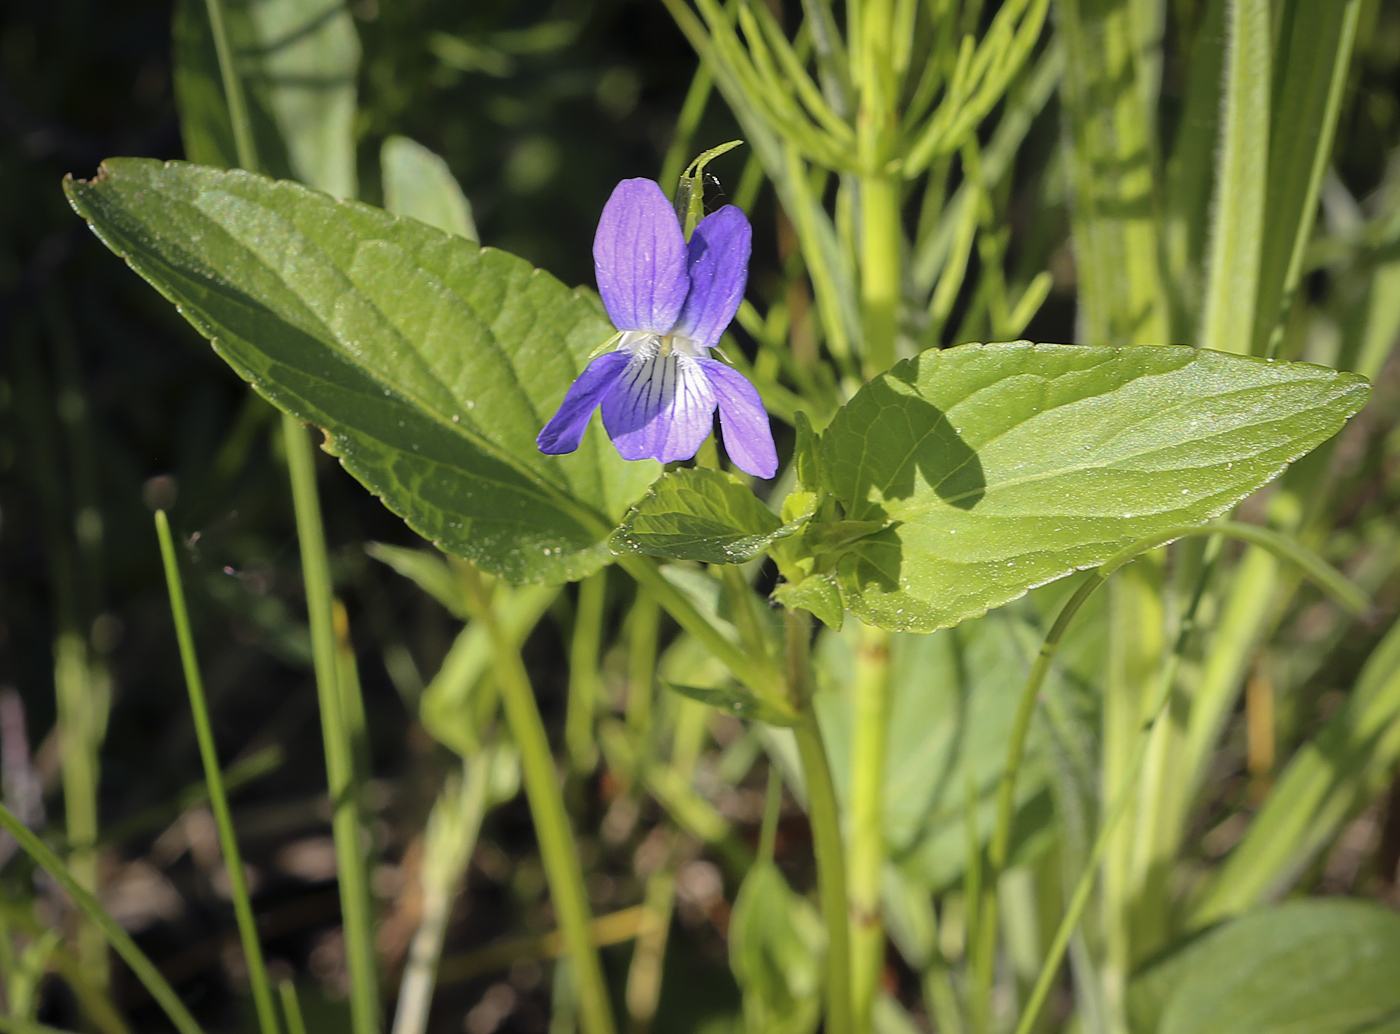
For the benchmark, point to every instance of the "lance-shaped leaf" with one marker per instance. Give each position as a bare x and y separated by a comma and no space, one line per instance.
429,362
997,468
699,514
417,182
298,61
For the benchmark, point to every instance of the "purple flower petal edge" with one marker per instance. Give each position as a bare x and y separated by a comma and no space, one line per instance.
565,429
742,419
718,263
639,257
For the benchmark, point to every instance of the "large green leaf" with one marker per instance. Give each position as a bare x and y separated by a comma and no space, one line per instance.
298,61
430,363
1306,967
997,468
698,514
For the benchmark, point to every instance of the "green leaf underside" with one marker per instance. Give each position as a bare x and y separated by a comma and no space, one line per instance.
1319,966
698,514
1001,467
429,362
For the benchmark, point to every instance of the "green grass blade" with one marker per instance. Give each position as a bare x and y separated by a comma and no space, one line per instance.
1331,776
1314,55
345,791
218,798
1237,226
1112,186
93,911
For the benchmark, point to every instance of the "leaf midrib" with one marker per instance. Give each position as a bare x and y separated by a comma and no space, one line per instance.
586,515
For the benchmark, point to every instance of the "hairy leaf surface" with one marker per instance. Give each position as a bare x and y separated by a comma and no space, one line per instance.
997,468
429,362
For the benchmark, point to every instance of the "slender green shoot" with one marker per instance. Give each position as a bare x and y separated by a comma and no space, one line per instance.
825,817
218,797
1326,577
95,914
556,840
291,1007
345,791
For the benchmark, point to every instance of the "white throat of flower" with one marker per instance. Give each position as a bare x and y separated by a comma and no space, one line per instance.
644,345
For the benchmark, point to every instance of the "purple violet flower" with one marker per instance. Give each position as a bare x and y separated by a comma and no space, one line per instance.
658,390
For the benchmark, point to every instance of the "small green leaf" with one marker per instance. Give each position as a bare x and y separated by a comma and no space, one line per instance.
817,594
997,468
698,514
1313,966
775,942
299,60
418,183
430,363
738,702
427,570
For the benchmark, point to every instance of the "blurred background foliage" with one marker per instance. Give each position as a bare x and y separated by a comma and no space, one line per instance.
111,406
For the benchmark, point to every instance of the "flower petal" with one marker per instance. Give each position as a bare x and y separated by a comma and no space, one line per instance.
639,258
719,268
742,419
662,408
565,429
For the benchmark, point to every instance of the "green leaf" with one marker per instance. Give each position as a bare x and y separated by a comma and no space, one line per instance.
1319,966
775,937
997,468
1242,160
430,363
418,183
429,571
738,702
1336,773
698,514
952,704
817,594
1314,53
298,60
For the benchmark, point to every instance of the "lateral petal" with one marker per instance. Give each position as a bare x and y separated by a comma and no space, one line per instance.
565,429
742,419
639,256
662,407
718,263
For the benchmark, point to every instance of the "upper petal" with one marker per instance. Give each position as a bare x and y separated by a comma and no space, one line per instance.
718,259
662,407
639,258
742,420
565,429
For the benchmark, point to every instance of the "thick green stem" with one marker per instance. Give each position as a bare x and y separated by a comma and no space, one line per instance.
825,818
346,828
880,269
556,839
218,799
866,846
